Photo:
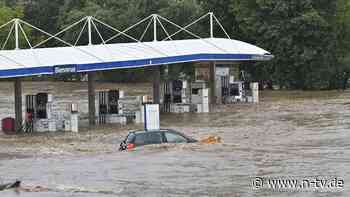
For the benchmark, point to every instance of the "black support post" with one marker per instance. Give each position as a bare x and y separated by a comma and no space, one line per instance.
91,95
18,104
156,84
212,84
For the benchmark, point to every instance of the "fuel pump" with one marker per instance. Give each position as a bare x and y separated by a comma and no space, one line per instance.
39,114
177,91
30,113
40,105
103,107
113,97
225,88
236,90
109,105
167,97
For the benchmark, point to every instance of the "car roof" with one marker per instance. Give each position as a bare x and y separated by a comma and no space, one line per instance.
136,132
150,131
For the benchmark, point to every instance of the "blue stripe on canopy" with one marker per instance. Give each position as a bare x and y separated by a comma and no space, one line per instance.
31,62
132,64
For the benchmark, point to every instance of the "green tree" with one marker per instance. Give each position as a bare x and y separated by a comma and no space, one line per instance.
43,14
342,28
223,10
6,14
300,35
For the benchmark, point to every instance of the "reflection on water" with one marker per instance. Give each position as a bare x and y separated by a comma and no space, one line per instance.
299,134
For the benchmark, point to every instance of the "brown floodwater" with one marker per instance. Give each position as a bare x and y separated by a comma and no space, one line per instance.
289,134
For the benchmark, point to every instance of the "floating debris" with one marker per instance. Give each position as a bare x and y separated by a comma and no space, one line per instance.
7,186
33,189
211,140
74,189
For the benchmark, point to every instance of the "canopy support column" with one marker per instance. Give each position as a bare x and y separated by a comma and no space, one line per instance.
91,83
156,69
212,84
18,104
156,84
91,95
18,87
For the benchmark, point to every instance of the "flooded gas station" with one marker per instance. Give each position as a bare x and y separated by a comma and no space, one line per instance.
289,133
63,137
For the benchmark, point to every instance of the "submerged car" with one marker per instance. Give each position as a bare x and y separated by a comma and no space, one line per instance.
141,138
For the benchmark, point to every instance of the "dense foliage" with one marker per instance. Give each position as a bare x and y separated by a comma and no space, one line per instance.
309,38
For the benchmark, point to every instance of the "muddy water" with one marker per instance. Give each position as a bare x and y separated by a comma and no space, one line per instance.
289,134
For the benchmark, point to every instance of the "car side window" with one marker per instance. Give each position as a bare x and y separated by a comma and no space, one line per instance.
140,139
175,138
154,138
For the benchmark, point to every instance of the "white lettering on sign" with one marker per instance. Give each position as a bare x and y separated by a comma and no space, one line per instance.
65,69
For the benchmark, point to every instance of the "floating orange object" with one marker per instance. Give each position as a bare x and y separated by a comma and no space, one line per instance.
211,140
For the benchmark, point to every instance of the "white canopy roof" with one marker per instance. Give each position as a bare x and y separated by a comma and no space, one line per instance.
27,62
75,59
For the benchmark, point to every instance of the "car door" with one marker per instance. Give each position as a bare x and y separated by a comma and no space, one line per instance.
140,139
154,138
